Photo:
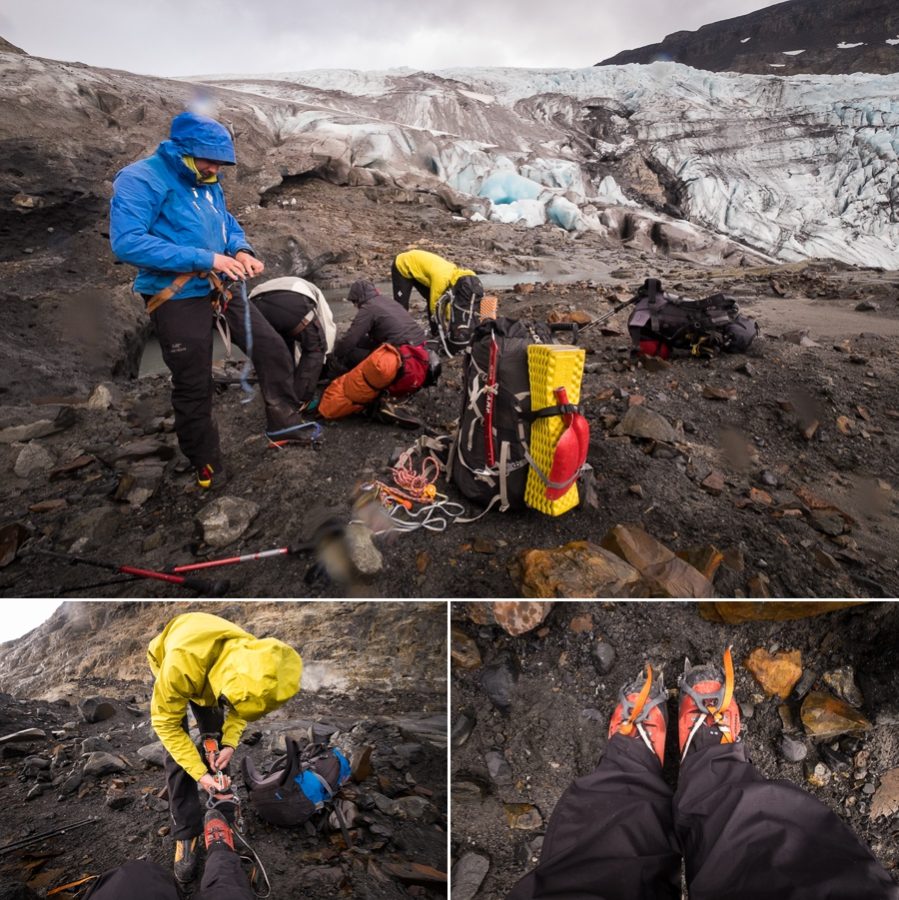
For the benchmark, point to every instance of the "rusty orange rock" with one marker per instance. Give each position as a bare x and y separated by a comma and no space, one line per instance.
736,612
825,717
776,673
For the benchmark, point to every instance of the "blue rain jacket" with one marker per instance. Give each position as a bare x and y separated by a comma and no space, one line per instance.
164,221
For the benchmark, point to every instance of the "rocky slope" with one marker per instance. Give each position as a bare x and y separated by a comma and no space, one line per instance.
374,686
835,37
346,647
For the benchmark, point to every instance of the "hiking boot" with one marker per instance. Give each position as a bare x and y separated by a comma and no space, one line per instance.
388,413
217,831
186,857
641,712
708,713
211,476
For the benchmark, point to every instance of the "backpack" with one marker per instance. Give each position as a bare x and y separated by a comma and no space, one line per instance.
661,323
490,464
310,291
300,784
456,313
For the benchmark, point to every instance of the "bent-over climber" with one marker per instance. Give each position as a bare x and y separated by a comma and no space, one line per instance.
227,678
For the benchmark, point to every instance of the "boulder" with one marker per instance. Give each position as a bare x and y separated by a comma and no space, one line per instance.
640,422
578,569
515,617
826,717
225,520
96,709
734,612
32,460
467,875
776,673
104,764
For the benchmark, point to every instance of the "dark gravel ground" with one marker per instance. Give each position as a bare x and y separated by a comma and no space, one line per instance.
299,862
850,460
555,729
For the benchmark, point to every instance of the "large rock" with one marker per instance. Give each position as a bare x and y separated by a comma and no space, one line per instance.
225,520
154,754
104,764
579,569
467,875
665,574
515,617
640,422
33,459
826,717
363,554
464,650
734,612
96,709
776,673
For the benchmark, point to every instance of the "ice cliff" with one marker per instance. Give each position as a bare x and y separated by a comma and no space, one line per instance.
794,167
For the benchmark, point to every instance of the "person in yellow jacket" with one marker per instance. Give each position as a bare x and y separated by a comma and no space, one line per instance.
227,677
432,276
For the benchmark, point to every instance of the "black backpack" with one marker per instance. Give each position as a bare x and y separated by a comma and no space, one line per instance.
301,783
456,313
505,479
704,327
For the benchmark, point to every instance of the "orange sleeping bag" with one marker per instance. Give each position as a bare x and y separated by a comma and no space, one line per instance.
352,392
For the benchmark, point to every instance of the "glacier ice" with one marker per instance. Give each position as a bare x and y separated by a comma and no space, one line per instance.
793,167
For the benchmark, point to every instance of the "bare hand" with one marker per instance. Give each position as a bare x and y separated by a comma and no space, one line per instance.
209,783
230,266
253,266
224,757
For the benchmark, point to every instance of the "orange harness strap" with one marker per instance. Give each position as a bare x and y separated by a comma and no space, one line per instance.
628,726
216,283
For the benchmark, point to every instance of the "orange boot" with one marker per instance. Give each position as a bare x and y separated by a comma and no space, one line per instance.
708,713
641,712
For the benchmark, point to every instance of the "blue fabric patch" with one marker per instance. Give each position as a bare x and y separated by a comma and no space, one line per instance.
344,767
313,789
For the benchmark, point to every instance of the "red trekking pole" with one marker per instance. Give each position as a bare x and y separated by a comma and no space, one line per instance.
206,588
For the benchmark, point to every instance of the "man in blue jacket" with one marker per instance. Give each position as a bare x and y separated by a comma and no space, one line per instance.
168,217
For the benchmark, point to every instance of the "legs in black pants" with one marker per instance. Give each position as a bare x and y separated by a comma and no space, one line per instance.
743,837
223,879
185,328
184,803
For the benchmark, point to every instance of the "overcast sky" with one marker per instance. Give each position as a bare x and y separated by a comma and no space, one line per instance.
20,618
190,37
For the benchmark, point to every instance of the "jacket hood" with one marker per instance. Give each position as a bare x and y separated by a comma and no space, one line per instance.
362,291
202,138
256,676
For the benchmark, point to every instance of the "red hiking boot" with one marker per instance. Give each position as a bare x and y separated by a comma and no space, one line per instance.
641,712
708,713
217,830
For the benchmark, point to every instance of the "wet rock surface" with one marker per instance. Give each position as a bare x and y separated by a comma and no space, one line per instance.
56,769
554,727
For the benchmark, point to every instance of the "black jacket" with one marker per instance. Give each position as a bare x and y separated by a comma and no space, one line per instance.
379,320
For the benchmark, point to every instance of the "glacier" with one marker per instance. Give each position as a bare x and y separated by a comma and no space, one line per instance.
795,168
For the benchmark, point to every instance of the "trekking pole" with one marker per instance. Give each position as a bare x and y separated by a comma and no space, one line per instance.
332,527
34,838
207,588
606,316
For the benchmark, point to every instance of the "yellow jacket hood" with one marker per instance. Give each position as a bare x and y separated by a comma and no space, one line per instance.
205,659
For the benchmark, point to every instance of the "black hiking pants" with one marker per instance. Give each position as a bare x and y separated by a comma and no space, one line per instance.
223,879
285,311
184,802
619,834
185,330
402,287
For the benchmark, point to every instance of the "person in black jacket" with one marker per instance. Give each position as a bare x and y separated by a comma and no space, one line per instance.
378,320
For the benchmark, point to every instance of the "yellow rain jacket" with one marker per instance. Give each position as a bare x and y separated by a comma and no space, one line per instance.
437,273
201,658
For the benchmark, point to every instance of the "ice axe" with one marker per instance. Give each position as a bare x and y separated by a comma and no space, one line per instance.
206,588
614,311
326,526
